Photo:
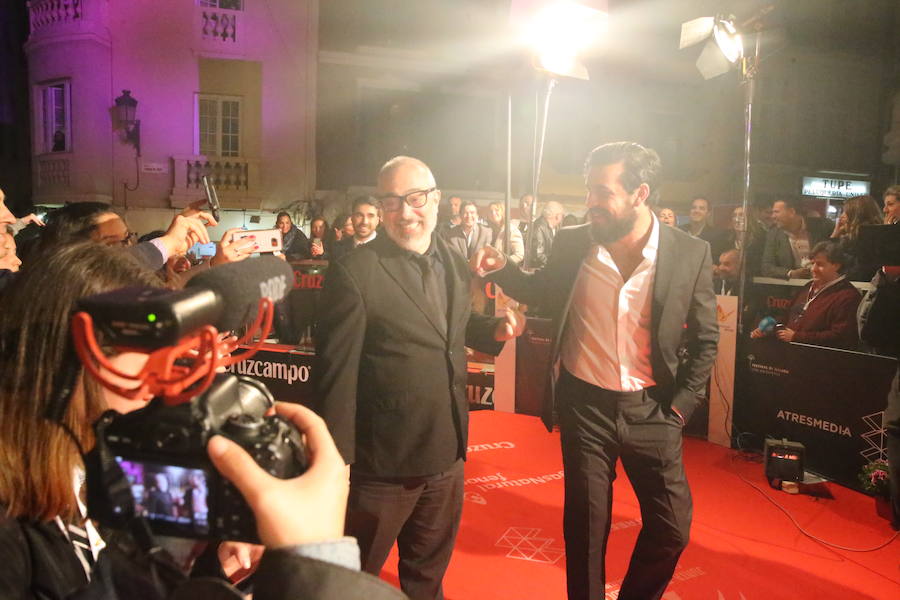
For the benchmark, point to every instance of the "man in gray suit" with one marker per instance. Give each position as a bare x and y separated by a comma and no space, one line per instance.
789,242
623,292
469,236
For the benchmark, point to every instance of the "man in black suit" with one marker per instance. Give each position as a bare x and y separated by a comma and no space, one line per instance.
620,290
469,236
786,252
392,379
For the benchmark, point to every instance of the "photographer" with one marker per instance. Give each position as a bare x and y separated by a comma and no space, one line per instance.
48,548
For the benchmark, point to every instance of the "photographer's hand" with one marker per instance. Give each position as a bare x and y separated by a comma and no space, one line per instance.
238,559
307,509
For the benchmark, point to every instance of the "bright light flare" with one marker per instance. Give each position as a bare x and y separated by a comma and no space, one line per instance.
558,33
728,40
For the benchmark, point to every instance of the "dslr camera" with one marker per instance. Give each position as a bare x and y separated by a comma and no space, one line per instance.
150,466
152,463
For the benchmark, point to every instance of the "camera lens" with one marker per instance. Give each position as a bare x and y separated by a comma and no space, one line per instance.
254,397
243,427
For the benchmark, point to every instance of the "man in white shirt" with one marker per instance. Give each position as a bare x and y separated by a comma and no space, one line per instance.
623,291
366,217
469,236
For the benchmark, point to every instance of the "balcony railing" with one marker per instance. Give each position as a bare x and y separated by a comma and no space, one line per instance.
52,12
219,24
236,179
52,174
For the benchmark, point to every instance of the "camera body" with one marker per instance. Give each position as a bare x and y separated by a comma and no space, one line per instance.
152,463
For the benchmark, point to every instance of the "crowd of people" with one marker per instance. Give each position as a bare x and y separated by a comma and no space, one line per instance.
391,343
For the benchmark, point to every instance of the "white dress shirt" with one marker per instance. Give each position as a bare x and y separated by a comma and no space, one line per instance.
607,339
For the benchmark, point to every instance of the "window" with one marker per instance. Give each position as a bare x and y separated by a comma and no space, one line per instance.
55,117
219,125
226,4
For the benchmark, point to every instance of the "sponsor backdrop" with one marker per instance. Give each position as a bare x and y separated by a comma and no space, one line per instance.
288,373
813,395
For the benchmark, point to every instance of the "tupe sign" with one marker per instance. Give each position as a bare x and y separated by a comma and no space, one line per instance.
822,187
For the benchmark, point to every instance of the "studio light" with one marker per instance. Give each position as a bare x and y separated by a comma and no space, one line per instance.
724,45
559,33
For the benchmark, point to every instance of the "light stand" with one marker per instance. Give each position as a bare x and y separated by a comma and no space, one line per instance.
749,71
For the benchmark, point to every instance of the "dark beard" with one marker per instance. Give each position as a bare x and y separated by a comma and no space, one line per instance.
615,228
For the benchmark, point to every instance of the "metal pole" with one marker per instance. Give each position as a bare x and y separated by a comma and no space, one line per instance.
509,127
749,75
538,160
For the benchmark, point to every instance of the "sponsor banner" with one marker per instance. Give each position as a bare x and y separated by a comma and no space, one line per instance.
287,372
721,385
829,400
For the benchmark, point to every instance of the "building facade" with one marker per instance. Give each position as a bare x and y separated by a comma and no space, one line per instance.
224,88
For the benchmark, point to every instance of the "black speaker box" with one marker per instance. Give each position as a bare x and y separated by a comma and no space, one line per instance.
784,460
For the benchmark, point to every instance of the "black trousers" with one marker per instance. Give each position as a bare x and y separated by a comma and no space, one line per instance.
598,427
891,422
420,513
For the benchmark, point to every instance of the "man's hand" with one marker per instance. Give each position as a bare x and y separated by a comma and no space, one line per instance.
230,250
487,260
757,333
511,326
238,559
785,335
801,273
31,218
185,231
306,509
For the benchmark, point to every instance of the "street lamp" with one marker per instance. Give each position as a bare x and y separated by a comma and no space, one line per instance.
126,111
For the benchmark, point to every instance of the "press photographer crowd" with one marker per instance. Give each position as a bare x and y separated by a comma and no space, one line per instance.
134,465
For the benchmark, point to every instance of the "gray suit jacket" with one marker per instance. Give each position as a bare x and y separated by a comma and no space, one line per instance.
682,295
778,257
456,239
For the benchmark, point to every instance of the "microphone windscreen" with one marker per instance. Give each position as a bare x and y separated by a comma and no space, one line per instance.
240,285
767,324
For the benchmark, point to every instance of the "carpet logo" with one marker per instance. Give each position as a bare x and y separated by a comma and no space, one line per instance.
499,480
525,543
874,437
492,446
476,498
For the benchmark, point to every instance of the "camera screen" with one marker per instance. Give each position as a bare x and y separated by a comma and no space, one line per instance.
166,494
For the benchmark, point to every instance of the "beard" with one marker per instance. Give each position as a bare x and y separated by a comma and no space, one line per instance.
607,228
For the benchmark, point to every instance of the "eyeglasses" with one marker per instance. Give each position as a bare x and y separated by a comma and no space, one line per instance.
129,240
416,199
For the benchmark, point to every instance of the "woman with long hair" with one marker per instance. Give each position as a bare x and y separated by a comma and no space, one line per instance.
47,546
858,211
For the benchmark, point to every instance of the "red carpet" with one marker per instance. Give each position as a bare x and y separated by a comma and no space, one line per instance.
742,547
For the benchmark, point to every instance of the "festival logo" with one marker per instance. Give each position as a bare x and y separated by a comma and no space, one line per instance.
525,543
874,438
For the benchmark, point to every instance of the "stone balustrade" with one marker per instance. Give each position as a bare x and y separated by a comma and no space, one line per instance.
52,12
236,179
219,24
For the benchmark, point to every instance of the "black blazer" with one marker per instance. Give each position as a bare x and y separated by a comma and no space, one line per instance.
391,371
682,294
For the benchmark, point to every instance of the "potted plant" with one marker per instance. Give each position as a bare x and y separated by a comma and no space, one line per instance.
875,480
